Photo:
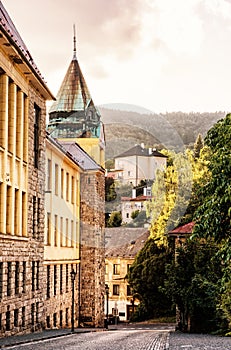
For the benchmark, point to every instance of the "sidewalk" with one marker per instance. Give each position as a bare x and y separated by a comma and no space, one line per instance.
46,334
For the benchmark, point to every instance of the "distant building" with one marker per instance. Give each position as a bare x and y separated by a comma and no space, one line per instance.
23,96
139,163
122,245
135,203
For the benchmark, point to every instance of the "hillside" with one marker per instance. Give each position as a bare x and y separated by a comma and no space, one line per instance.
176,130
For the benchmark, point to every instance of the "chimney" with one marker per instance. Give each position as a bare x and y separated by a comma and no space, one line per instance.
150,151
133,193
145,191
142,145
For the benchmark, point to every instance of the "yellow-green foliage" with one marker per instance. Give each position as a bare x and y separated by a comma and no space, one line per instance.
171,191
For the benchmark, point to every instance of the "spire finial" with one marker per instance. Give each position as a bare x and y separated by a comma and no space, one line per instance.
74,42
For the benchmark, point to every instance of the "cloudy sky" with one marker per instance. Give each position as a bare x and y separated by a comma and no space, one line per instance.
162,55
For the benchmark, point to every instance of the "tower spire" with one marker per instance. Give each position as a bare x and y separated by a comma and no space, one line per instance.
74,39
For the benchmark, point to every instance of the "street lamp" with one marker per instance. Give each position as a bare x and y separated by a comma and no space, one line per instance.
107,294
73,274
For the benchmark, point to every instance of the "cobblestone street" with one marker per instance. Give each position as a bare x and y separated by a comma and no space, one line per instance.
130,337
183,341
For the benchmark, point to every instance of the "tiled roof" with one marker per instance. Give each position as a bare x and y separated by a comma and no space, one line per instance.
83,158
125,242
142,152
185,229
73,94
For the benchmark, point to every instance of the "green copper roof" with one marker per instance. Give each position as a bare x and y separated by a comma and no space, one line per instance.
73,94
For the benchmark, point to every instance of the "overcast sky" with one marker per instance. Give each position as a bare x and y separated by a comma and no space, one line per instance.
163,55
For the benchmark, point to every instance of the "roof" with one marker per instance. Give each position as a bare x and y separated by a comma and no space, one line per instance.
24,59
141,152
125,242
73,94
82,157
140,198
183,230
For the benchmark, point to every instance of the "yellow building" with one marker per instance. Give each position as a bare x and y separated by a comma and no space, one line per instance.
23,96
122,245
61,251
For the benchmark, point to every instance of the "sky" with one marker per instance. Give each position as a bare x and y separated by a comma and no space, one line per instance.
161,55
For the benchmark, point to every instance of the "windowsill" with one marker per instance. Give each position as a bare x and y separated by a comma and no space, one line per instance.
13,237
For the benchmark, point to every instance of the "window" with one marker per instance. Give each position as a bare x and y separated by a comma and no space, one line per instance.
129,290
56,179
56,231
128,267
61,318
48,238
35,211
1,279
61,278
106,269
8,320
62,182
49,174
48,280
55,279
62,243
127,215
116,269
32,313
33,276
48,322
67,187
72,190
9,271
37,114
67,279
24,276
23,316
37,276
37,312
67,316
67,241
16,318
16,282
116,289
55,319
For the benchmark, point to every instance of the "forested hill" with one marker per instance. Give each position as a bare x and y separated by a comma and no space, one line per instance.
124,129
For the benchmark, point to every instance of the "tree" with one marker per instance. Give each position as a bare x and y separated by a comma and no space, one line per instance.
171,193
198,145
115,219
193,282
146,277
213,215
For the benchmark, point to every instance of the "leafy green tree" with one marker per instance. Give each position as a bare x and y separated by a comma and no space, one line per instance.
146,277
134,214
115,219
193,283
110,193
198,145
213,216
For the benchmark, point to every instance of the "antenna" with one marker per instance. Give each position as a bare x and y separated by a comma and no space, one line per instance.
74,41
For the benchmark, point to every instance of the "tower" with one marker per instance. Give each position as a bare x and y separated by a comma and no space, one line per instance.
74,117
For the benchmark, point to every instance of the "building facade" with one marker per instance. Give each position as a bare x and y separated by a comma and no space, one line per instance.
122,246
139,163
23,96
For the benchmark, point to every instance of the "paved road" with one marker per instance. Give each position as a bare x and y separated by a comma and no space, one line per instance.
131,337
120,339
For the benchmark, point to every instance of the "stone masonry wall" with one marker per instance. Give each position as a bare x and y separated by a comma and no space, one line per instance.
92,249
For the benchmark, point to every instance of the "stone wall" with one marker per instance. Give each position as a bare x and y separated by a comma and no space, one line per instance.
92,249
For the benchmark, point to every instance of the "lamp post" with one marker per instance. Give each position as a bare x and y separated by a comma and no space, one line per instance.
73,274
107,294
